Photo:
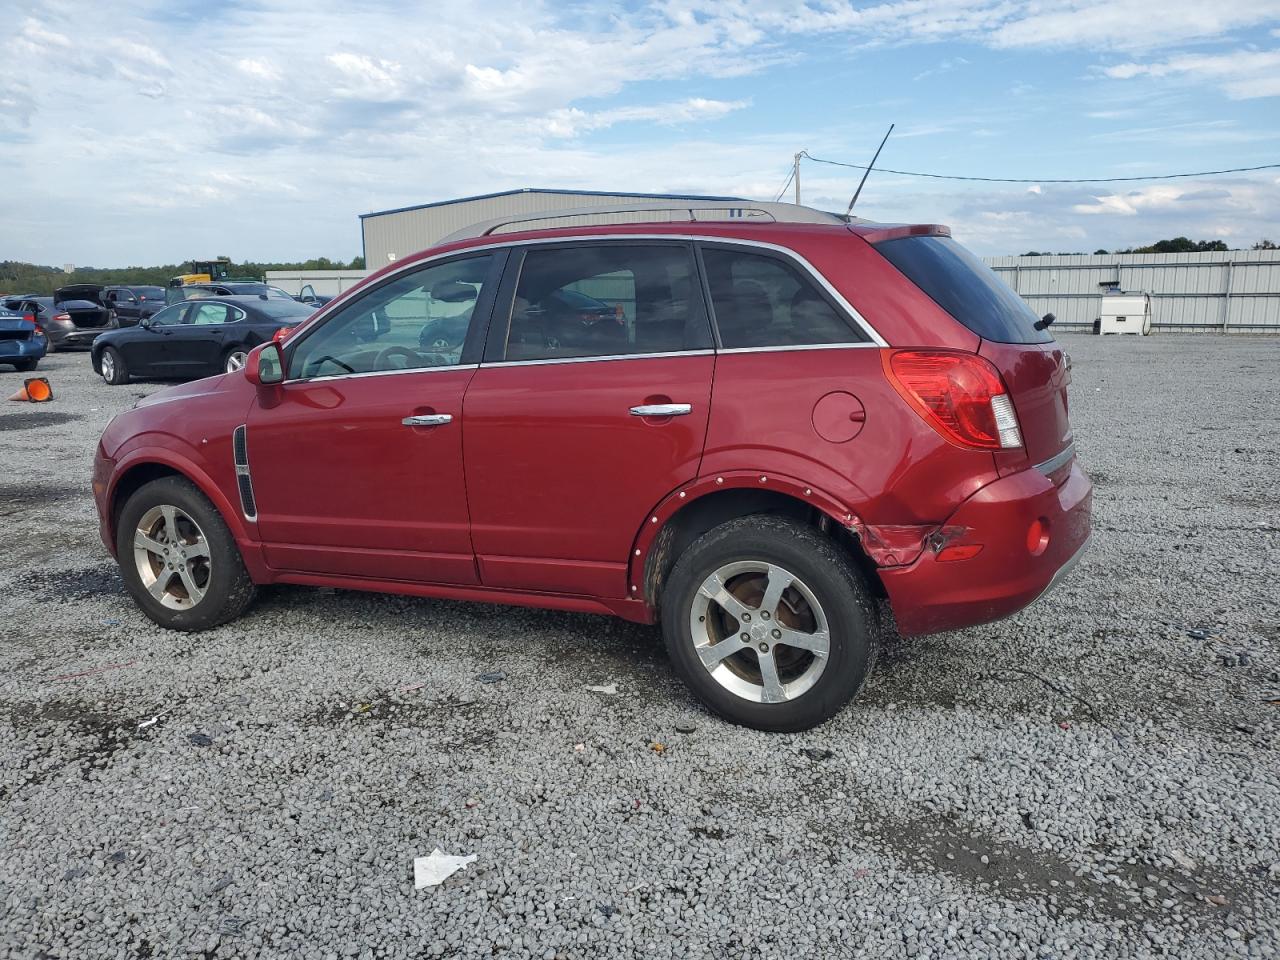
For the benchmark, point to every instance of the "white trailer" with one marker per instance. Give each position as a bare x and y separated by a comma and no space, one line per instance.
1126,313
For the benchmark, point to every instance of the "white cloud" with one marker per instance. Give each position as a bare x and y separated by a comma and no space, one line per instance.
572,122
1243,74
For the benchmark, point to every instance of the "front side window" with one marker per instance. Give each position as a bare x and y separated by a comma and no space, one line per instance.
416,321
608,299
169,316
764,301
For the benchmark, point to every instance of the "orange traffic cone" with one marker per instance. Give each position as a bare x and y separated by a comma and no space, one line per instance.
35,390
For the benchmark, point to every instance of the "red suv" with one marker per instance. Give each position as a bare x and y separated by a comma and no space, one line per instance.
776,431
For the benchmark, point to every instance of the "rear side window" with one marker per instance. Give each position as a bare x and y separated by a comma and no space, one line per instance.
965,287
763,301
604,300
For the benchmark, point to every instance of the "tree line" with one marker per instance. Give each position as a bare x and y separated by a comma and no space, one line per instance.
1176,245
19,277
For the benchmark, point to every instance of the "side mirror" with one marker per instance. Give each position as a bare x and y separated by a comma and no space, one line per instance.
145,323
265,365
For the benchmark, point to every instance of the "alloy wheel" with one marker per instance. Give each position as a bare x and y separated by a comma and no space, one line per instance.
172,557
236,361
108,366
760,631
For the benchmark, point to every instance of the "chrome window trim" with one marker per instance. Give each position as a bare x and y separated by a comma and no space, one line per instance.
384,373
862,323
803,346
613,356
1058,461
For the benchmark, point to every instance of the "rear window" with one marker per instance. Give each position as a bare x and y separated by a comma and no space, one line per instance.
285,309
965,287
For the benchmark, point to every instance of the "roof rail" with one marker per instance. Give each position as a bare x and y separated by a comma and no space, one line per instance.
730,210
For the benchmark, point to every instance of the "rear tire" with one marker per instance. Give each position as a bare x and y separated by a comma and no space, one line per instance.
25,366
234,359
112,367
805,634
178,559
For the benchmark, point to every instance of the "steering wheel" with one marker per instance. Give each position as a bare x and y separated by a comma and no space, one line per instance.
383,360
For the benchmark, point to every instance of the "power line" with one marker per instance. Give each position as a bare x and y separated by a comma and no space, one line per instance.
790,177
943,176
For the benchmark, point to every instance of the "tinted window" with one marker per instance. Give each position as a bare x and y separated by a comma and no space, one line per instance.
763,301
420,319
284,309
604,300
965,287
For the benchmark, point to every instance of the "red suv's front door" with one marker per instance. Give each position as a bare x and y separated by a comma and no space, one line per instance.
357,462
563,464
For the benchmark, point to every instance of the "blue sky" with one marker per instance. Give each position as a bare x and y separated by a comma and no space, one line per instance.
142,131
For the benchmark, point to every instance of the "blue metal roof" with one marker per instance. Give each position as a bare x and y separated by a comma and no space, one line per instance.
570,193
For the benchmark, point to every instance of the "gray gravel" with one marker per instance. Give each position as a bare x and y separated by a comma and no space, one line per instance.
1096,777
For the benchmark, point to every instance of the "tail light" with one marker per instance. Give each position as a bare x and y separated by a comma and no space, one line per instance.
281,334
29,317
960,395
63,316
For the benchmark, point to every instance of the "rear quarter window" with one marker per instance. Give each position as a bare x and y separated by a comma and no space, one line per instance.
965,287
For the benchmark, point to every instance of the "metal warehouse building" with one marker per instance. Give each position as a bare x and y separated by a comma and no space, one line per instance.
1232,291
392,234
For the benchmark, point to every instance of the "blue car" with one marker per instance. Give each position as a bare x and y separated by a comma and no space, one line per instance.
22,340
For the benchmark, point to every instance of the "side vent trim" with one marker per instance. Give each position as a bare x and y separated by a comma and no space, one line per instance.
240,447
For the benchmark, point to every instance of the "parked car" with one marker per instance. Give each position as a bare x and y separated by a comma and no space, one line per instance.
66,321
801,424
229,288
131,304
22,340
197,338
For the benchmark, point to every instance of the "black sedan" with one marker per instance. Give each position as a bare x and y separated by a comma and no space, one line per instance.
195,338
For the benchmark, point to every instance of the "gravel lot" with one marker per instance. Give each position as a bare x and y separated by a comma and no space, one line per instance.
1096,777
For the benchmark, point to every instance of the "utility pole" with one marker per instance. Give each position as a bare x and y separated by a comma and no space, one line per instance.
796,174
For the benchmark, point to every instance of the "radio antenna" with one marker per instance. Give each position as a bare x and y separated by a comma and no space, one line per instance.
866,173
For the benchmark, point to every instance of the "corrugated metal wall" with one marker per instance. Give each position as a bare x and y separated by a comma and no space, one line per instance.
1237,290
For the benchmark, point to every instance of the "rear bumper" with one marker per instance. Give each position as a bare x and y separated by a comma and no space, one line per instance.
22,349
1008,574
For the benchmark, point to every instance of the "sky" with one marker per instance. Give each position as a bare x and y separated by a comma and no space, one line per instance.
154,131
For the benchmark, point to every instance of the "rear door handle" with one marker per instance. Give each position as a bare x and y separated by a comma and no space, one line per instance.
428,420
662,410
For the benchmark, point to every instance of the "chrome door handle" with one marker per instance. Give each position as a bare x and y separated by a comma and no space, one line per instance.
662,410
428,420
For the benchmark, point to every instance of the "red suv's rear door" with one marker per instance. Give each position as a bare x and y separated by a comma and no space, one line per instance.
562,466
1036,375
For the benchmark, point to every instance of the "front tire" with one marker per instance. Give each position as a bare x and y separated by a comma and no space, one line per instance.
178,559
769,623
25,366
112,367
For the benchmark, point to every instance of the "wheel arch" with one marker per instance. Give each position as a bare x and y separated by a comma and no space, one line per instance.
707,502
143,466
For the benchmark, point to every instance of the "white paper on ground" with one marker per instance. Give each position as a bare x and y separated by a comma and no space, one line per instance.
609,688
434,870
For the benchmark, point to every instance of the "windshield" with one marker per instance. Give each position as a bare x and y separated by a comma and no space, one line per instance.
965,287
148,293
